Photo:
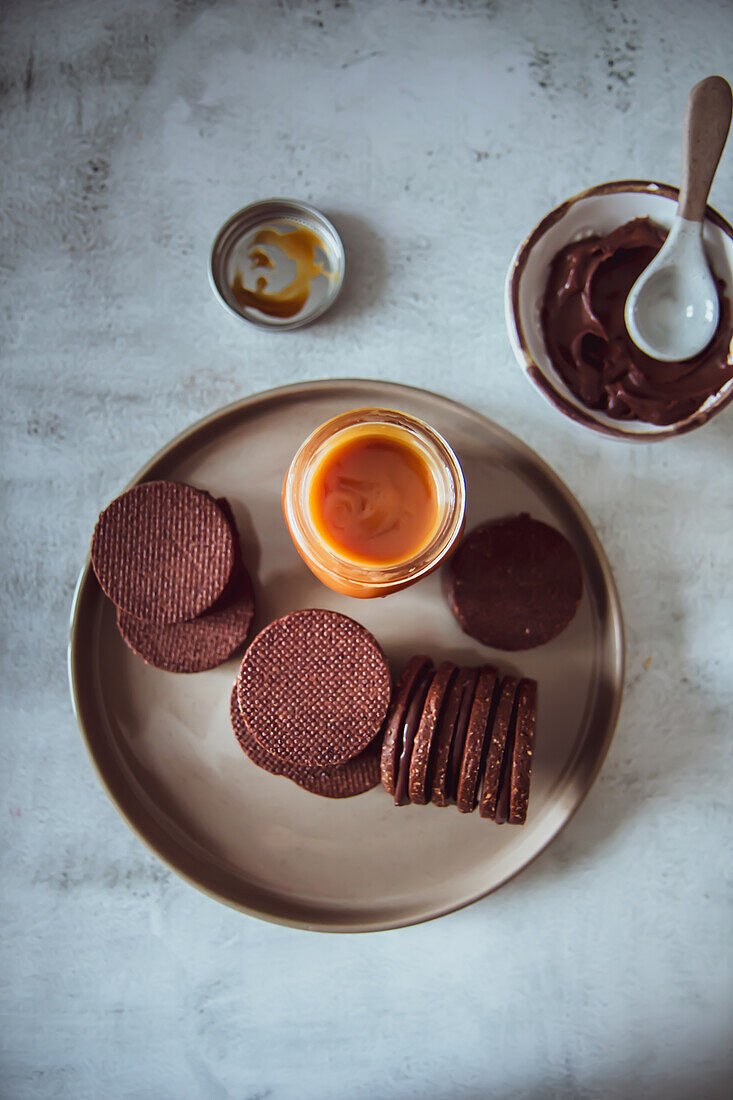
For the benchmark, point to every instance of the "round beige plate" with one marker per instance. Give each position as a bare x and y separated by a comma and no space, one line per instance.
162,743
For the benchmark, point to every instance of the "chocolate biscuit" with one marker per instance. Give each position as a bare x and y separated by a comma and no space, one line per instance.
198,644
420,779
459,736
356,776
469,776
514,583
163,551
521,770
496,756
314,688
411,675
410,728
501,816
440,793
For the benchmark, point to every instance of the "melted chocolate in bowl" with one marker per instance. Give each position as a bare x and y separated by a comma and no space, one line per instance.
586,337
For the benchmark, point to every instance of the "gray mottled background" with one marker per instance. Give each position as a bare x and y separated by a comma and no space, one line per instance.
435,134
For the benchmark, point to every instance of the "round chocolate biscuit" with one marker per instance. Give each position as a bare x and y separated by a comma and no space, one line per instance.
496,754
420,780
314,688
469,776
163,551
521,770
356,776
411,675
412,722
514,583
441,792
198,644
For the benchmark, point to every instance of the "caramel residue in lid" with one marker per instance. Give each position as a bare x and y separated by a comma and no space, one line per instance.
297,243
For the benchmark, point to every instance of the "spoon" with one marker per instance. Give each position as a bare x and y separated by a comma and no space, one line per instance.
673,309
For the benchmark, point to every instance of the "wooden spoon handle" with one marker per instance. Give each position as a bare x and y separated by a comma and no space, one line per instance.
707,121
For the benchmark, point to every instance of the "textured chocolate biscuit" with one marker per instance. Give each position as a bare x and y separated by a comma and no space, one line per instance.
521,770
469,776
314,688
356,776
420,780
163,551
410,728
497,752
514,583
198,644
411,675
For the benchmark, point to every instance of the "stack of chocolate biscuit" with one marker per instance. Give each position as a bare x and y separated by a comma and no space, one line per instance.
462,735
310,700
169,558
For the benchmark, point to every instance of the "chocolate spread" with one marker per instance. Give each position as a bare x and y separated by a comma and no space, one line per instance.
586,337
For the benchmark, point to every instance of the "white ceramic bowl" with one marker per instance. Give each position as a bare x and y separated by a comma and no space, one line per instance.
599,210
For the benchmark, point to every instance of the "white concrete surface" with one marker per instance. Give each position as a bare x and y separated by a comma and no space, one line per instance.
435,134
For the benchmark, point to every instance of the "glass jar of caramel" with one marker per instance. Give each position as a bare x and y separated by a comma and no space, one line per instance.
374,500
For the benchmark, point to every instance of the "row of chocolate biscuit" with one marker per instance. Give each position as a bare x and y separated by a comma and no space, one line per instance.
463,735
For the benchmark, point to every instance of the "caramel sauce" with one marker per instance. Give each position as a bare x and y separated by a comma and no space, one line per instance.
298,244
373,498
260,258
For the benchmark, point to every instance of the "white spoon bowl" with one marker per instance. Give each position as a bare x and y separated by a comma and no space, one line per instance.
672,310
